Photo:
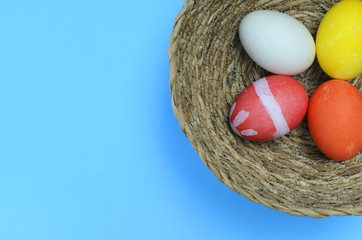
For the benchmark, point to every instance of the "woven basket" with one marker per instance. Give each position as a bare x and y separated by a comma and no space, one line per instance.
208,69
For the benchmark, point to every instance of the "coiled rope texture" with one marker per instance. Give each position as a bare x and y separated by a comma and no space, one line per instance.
208,69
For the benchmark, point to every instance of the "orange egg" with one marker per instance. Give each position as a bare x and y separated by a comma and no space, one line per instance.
335,119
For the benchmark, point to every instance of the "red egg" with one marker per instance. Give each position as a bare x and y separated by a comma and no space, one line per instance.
335,119
269,108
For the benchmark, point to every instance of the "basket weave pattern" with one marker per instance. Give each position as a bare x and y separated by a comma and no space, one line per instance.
208,69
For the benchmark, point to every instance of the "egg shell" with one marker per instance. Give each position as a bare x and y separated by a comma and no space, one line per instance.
339,40
335,119
277,42
269,108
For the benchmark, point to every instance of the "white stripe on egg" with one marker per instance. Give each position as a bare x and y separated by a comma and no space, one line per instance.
232,110
249,132
232,123
240,118
271,106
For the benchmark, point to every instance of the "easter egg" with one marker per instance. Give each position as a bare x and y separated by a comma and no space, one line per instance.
335,119
269,108
277,42
339,40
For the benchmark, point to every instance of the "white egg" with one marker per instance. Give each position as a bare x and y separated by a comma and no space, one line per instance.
277,42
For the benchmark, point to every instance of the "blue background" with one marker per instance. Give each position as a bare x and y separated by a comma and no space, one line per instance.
89,145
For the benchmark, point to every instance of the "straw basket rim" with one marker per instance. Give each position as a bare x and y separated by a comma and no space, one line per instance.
191,100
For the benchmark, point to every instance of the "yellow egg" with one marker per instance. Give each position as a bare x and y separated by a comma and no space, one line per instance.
339,40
